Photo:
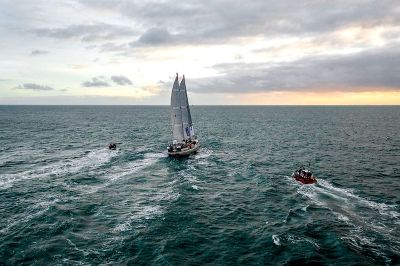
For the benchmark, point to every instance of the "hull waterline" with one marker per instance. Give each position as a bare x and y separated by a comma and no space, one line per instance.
305,181
185,152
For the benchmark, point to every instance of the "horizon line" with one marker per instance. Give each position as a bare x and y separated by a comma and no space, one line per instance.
167,105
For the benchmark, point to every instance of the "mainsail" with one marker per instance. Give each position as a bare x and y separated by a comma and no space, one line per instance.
182,127
176,112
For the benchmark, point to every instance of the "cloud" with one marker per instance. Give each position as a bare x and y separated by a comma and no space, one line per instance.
87,32
367,70
113,47
102,81
34,87
154,36
96,82
121,80
39,52
194,22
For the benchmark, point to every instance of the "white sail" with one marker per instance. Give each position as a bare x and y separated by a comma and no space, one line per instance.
176,112
184,141
188,131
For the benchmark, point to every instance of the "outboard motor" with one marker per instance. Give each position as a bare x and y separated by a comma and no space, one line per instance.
169,148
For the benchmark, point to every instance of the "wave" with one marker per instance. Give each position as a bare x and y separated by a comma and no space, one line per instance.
148,207
203,153
365,217
35,211
276,240
141,212
353,199
116,172
91,160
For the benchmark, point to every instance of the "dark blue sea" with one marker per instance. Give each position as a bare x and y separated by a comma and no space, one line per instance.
66,199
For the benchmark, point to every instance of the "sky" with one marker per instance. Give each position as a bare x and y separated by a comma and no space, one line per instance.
232,52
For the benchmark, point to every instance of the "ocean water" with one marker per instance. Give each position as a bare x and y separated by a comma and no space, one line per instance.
66,199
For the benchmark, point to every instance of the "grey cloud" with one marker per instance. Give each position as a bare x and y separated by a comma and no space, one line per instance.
198,22
102,81
39,52
87,33
375,69
121,80
96,82
113,47
155,36
34,87
83,100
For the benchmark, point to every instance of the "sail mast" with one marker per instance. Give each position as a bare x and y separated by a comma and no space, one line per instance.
186,116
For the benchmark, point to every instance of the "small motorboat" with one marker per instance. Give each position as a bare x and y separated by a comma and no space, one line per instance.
112,146
304,176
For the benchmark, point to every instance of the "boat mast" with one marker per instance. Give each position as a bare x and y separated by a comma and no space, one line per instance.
180,107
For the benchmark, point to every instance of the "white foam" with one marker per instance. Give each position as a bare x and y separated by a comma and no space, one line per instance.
149,205
341,217
91,160
141,213
203,153
118,172
345,205
349,196
304,209
195,187
345,198
85,253
156,155
276,240
36,211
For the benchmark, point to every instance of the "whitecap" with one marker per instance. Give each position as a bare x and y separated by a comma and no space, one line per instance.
276,240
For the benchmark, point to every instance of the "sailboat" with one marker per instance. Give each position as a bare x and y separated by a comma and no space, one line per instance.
184,141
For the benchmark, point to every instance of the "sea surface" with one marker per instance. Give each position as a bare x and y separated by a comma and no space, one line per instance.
66,199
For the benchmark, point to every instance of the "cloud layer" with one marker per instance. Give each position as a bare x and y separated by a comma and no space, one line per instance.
225,47
34,87
210,21
369,70
86,32
96,82
102,81
39,52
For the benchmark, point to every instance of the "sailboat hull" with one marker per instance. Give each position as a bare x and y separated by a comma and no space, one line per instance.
184,152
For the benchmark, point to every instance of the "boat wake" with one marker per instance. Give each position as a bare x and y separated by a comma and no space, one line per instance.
327,194
111,175
89,161
367,219
36,210
203,153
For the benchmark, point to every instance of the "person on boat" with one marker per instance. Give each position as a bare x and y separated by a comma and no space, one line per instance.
112,146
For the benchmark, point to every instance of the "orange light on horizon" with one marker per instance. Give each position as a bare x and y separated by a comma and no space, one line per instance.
377,97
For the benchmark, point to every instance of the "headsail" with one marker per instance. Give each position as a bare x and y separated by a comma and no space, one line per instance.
176,112
187,124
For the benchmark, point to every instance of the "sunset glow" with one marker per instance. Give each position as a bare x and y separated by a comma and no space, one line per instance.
127,52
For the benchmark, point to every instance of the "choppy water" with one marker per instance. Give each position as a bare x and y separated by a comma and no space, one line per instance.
66,199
